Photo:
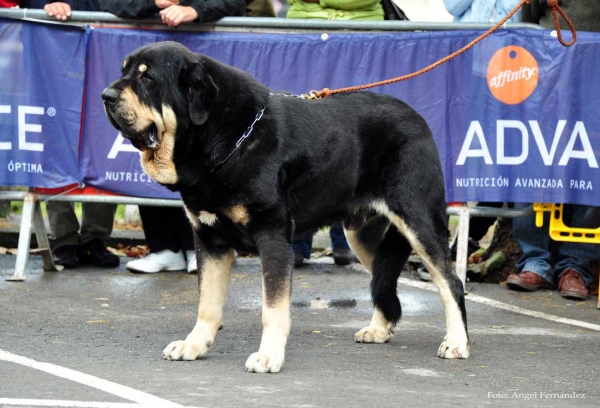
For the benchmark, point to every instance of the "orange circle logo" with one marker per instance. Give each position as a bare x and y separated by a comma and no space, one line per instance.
512,74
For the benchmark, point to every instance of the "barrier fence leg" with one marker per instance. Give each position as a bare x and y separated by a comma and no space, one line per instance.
462,246
24,238
42,240
32,215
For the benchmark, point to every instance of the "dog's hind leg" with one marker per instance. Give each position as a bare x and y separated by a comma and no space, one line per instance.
426,234
277,267
383,251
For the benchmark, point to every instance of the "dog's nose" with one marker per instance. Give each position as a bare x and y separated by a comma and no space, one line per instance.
109,95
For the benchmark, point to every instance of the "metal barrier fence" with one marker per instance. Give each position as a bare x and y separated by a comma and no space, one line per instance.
32,216
102,19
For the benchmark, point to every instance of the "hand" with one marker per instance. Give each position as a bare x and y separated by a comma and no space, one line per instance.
163,4
175,15
59,10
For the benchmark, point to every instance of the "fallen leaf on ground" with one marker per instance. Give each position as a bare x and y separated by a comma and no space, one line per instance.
131,251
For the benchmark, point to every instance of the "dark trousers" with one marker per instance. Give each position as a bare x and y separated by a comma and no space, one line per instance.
338,241
96,223
166,228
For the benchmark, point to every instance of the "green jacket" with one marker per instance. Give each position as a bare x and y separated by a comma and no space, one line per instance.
337,9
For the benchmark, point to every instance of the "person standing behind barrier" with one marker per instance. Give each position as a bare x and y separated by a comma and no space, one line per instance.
61,10
175,12
332,10
168,232
342,254
477,11
546,262
542,264
336,9
170,239
70,246
481,11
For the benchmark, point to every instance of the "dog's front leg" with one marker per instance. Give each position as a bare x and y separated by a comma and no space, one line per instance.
214,270
277,266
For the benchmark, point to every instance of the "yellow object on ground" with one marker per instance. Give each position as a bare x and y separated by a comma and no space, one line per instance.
558,230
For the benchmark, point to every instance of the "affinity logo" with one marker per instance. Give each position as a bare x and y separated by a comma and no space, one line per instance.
512,74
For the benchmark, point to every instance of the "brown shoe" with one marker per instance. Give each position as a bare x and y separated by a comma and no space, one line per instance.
572,286
527,280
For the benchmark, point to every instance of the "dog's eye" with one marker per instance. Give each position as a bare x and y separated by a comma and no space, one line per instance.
146,77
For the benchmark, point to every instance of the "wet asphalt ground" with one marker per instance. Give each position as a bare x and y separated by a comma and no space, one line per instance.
113,325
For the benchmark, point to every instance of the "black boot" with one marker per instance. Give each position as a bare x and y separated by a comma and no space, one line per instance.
95,253
343,257
66,256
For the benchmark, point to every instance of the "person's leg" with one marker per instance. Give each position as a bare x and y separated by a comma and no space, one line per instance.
536,261
96,227
342,254
302,249
97,222
160,229
184,235
64,226
183,228
338,239
64,233
161,234
574,263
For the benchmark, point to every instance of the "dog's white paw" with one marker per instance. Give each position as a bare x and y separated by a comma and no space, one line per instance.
186,349
454,349
372,334
264,363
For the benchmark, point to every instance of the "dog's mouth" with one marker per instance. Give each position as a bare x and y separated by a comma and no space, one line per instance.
144,140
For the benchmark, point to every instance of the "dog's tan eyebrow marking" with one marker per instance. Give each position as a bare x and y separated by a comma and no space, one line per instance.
125,63
143,67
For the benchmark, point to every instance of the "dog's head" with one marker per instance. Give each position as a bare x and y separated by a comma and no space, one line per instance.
163,86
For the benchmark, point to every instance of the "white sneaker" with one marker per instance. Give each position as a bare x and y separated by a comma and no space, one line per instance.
192,266
160,261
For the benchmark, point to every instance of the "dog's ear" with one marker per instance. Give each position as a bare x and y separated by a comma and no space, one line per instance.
201,91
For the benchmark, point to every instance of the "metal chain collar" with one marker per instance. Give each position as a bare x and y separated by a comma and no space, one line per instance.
248,131
246,134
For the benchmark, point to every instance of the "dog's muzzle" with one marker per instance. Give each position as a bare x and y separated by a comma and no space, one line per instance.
144,140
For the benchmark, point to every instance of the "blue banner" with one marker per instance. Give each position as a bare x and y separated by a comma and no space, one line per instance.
514,119
41,91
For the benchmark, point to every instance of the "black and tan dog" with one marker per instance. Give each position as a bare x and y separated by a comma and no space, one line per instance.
257,169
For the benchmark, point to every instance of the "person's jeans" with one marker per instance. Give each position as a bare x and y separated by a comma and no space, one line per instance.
338,241
539,254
